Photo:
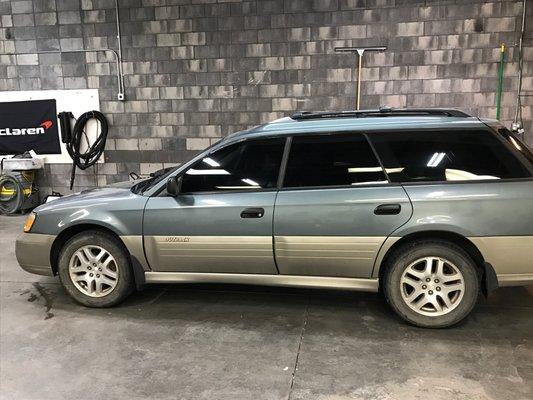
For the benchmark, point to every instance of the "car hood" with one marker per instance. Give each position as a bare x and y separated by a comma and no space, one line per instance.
103,196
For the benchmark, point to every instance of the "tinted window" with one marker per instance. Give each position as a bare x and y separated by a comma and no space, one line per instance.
445,156
332,161
519,145
247,165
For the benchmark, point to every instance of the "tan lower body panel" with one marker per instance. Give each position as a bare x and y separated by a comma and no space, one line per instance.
367,285
515,279
382,253
508,255
217,254
347,256
33,252
134,244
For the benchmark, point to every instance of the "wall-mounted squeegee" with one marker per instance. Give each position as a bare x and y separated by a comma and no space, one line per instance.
360,52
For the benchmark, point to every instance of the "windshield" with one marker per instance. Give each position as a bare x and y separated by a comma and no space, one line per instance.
154,179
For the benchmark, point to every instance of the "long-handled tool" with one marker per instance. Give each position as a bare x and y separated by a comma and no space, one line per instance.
500,82
360,52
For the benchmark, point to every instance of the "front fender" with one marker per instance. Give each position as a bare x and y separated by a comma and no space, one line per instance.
120,211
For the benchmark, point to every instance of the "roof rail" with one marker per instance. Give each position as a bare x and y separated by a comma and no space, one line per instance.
382,112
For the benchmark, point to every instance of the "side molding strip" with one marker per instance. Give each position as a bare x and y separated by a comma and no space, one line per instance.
358,284
515,279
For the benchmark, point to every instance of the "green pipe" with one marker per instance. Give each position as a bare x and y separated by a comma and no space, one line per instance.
500,82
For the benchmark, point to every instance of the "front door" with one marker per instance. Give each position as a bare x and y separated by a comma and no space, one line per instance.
336,207
222,221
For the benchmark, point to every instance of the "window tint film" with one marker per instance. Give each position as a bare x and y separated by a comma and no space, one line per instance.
446,156
249,165
335,160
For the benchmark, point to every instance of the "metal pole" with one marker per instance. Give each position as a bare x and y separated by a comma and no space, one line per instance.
120,95
360,54
120,81
117,55
517,125
500,82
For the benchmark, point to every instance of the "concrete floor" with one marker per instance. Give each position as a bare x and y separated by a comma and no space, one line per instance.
228,342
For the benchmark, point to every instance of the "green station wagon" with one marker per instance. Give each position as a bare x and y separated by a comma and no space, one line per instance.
428,206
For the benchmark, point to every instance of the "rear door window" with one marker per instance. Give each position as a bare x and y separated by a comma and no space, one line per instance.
332,160
446,156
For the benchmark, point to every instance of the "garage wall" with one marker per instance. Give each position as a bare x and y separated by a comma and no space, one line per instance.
196,72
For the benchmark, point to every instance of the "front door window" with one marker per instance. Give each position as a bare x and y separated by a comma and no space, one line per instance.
246,166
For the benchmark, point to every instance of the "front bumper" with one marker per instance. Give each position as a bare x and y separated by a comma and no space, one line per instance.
33,253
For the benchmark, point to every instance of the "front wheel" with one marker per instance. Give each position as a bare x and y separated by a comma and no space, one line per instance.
431,284
95,270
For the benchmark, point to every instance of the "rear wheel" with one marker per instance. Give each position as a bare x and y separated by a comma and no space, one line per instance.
95,270
431,284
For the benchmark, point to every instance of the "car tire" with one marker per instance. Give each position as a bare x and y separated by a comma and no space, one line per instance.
431,284
94,268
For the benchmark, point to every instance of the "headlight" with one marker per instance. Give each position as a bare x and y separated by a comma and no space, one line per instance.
29,222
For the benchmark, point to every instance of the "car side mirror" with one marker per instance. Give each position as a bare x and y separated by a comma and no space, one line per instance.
174,185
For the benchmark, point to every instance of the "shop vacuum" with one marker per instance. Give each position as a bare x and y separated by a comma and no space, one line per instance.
17,189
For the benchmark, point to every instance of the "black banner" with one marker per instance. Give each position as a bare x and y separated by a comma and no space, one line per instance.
29,125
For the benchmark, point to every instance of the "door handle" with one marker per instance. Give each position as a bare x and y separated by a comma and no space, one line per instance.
252,213
388,209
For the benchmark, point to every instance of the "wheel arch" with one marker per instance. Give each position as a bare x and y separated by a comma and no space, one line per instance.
489,281
72,230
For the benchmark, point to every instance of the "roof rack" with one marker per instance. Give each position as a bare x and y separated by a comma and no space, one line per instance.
382,112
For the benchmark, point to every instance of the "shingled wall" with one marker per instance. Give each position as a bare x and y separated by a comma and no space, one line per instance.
200,69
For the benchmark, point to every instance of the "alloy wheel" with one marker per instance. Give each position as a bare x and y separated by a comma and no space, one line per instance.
432,286
93,271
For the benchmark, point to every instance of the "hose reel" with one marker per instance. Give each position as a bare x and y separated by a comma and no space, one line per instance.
17,192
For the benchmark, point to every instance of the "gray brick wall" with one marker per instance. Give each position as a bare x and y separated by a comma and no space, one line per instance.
197,70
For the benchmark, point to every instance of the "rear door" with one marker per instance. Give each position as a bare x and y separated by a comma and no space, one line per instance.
336,207
470,182
222,220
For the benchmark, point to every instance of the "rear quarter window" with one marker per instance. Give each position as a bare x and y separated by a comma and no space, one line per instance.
518,144
420,156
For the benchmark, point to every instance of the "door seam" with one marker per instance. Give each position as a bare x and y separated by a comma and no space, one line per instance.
394,231
143,235
272,233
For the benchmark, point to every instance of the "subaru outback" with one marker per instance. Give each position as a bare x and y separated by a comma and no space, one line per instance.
431,207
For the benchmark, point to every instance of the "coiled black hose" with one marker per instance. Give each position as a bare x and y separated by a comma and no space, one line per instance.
10,204
90,156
